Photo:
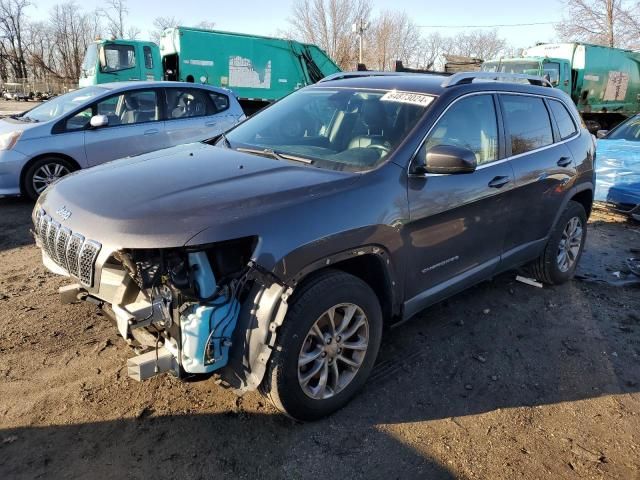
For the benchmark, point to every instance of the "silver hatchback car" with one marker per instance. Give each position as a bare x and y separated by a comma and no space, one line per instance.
100,123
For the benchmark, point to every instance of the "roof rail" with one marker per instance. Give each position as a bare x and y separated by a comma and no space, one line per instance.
468,77
357,74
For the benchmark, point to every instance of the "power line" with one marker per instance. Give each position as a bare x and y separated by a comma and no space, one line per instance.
488,26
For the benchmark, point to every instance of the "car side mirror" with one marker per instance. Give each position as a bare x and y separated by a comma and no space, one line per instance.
602,133
98,121
448,159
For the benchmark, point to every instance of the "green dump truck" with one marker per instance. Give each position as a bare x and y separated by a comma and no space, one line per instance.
603,82
259,70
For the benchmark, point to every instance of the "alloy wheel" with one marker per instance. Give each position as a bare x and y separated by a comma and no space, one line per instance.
333,351
570,244
47,174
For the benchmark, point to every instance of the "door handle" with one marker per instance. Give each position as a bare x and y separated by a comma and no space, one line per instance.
499,182
564,162
151,131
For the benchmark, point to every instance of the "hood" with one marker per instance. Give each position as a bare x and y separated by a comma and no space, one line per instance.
8,125
164,198
617,164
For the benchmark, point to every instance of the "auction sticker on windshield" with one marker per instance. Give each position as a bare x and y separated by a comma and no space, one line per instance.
405,97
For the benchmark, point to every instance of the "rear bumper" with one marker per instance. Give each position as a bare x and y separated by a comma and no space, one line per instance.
11,164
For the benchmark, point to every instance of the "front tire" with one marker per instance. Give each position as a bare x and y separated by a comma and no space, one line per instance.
561,255
43,172
326,346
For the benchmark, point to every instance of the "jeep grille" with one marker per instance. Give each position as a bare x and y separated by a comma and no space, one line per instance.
71,251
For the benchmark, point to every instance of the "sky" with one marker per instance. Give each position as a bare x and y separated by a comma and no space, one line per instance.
267,17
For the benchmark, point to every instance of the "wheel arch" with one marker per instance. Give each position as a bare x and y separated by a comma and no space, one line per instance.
585,198
26,166
371,264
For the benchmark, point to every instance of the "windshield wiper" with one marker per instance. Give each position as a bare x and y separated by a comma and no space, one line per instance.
267,152
24,118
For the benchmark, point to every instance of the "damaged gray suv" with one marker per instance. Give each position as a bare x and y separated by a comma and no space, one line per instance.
272,257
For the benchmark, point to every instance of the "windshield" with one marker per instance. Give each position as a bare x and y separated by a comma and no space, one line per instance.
629,130
90,60
341,129
527,68
58,106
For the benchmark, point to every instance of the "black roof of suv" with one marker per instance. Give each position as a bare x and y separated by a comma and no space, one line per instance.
273,255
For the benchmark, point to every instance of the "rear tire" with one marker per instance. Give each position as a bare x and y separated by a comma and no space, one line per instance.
333,327
561,255
43,172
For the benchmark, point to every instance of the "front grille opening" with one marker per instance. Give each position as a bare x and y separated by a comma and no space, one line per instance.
71,251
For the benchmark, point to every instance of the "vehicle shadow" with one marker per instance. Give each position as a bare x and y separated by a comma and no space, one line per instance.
501,345
15,215
226,445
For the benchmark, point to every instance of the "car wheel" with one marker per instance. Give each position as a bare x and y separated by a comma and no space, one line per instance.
558,262
325,348
44,172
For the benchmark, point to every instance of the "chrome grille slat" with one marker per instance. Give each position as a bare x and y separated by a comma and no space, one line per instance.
36,221
52,233
42,231
72,251
88,254
61,246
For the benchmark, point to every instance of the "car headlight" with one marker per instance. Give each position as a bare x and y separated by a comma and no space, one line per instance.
8,140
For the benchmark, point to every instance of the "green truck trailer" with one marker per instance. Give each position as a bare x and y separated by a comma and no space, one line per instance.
258,69
603,82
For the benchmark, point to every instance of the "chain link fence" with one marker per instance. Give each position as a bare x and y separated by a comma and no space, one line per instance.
50,84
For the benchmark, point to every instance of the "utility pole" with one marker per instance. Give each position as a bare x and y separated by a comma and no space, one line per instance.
359,28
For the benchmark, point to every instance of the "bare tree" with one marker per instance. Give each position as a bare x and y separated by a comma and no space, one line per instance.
613,23
393,37
482,44
132,33
12,26
70,31
205,25
114,14
430,50
159,26
328,24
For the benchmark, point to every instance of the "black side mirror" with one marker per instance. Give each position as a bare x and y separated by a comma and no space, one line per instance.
448,159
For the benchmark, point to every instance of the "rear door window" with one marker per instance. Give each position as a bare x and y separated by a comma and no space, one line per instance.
527,122
566,125
188,103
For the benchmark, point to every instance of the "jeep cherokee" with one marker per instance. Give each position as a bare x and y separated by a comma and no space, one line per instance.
272,257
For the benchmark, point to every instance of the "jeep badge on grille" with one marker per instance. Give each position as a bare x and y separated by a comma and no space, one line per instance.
63,212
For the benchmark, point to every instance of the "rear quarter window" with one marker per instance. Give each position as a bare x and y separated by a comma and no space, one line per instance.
528,123
565,122
220,102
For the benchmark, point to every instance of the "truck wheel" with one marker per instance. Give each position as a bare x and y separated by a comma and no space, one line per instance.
42,173
325,348
559,260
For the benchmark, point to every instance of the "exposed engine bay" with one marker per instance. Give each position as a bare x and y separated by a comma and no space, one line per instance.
193,312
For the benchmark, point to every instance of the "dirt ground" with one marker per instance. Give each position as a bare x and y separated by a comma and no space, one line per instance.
503,381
